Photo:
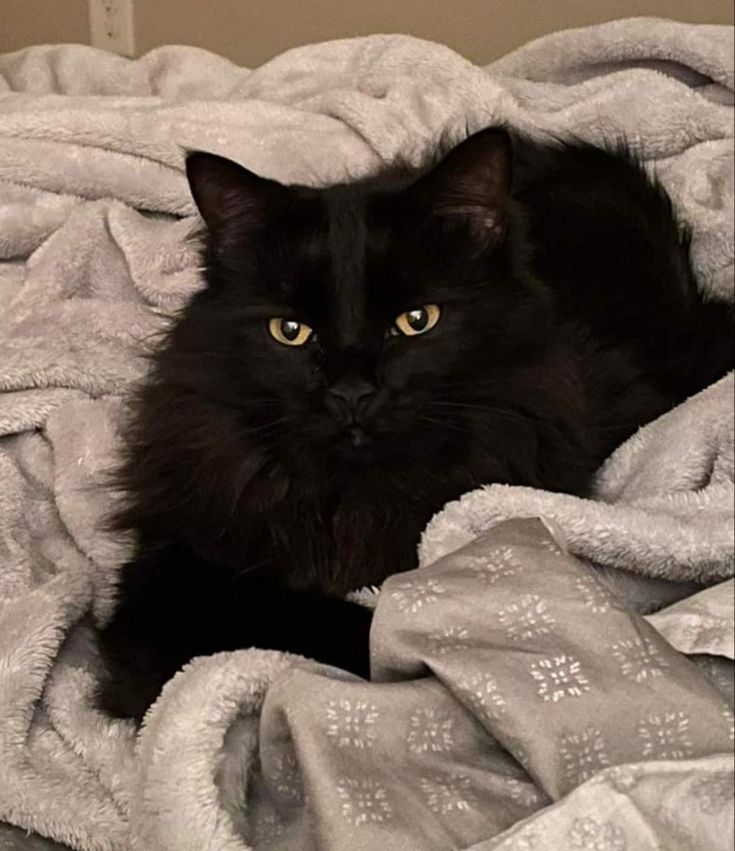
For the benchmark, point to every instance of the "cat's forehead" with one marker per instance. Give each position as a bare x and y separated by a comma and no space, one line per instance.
352,257
346,237
341,249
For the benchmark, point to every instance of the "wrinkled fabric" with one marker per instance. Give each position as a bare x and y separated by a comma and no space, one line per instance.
520,698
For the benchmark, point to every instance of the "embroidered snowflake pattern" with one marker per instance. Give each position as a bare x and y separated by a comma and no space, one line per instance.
713,794
286,776
363,801
527,619
623,778
583,754
351,723
496,564
430,731
666,736
446,794
524,793
480,692
639,659
729,717
448,640
559,677
589,835
550,546
267,826
705,630
594,596
521,842
413,596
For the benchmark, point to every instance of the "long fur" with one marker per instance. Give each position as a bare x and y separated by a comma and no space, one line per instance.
570,317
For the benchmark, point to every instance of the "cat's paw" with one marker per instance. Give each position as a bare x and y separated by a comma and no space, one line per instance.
130,698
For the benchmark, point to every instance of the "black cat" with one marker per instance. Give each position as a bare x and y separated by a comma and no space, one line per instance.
364,353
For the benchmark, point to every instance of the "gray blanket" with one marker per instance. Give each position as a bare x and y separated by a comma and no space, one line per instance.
519,701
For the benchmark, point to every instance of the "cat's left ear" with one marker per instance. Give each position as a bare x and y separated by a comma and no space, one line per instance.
472,184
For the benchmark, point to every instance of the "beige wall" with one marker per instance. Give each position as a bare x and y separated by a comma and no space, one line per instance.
24,22
251,31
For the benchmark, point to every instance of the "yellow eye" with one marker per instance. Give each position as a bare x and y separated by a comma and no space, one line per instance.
289,331
417,321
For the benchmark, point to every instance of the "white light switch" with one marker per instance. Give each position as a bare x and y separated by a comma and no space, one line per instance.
111,26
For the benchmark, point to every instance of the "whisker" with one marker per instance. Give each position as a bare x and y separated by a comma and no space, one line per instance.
473,406
270,425
464,382
444,424
250,567
500,413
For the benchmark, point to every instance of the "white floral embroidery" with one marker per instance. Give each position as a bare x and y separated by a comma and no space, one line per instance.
713,793
729,717
558,677
448,640
666,736
524,793
526,619
705,629
412,596
445,794
502,554
430,731
497,563
623,778
550,546
524,841
351,723
583,754
588,834
595,597
286,776
364,801
639,659
267,825
481,693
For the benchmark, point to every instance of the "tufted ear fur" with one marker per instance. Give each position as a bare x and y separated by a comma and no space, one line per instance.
472,184
230,194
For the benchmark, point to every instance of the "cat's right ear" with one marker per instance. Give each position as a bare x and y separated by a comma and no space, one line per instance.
227,193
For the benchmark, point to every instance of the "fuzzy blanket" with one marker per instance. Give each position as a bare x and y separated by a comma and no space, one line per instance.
519,701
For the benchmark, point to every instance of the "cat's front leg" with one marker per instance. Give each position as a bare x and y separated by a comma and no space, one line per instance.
172,607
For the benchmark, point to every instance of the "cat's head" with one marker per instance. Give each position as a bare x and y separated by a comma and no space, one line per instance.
361,323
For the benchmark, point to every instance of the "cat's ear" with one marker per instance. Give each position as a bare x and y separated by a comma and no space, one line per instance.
227,193
472,184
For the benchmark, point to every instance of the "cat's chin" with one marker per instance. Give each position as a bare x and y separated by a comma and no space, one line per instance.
355,446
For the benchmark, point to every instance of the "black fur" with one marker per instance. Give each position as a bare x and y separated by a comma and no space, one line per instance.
259,496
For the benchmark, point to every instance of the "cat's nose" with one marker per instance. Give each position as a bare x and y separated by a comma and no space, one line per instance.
352,395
